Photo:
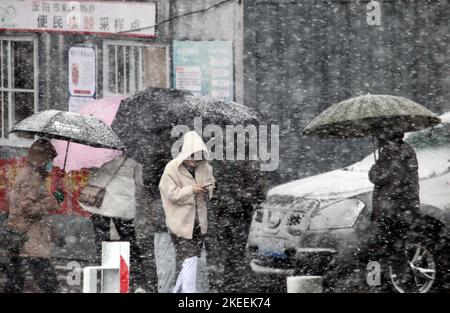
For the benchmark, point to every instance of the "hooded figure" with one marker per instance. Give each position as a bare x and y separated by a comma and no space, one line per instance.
29,204
186,187
396,202
395,178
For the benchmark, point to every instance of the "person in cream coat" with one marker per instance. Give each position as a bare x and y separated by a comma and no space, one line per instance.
186,187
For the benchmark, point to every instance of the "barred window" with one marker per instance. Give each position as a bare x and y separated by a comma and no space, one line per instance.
18,96
130,67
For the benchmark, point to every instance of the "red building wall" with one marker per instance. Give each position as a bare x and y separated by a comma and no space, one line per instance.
70,183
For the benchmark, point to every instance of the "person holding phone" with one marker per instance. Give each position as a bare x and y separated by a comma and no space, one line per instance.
186,186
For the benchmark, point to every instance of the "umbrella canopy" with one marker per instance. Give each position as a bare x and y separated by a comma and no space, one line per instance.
82,156
371,114
70,126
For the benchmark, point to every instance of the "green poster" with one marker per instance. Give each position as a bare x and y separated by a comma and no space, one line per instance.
204,68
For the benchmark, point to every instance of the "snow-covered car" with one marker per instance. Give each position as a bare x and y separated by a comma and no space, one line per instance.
316,225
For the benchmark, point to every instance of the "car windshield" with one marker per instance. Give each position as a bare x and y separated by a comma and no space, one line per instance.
432,146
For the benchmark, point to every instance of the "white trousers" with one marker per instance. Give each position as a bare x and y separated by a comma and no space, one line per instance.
187,279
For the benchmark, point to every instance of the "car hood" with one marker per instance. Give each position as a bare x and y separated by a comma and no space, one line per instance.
337,184
353,180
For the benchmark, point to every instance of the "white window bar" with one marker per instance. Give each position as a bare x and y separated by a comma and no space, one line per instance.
1,86
10,98
132,70
140,69
124,49
116,69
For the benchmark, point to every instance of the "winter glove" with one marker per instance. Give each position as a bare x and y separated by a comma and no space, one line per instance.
59,196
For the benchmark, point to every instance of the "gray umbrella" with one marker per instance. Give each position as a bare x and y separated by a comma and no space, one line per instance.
72,127
144,122
371,114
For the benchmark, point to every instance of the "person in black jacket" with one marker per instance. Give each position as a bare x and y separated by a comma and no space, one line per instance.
232,213
396,179
395,199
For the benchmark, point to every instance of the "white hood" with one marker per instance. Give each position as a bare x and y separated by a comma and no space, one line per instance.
192,143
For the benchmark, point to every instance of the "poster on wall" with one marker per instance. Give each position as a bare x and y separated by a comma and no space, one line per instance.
82,78
189,78
204,68
134,19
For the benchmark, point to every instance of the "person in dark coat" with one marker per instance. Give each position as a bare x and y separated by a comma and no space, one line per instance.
396,179
395,198
231,218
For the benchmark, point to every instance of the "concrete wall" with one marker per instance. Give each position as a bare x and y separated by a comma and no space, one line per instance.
303,56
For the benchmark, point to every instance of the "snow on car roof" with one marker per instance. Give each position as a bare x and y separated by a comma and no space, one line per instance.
433,160
445,118
335,184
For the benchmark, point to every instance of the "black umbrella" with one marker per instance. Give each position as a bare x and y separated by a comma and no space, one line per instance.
145,120
72,127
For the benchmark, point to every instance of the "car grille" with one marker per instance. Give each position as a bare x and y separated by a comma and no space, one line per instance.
283,218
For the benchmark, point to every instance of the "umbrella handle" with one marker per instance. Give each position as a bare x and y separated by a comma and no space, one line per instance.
58,193
65,158
375,146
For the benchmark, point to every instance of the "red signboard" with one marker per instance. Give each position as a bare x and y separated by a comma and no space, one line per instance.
70,183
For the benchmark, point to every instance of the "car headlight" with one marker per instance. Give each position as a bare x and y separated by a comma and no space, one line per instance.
294,224
339,214
259,216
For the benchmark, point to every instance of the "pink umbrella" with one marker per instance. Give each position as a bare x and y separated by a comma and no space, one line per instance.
82,156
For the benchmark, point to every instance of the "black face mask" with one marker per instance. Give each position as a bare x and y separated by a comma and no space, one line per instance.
42,171
45,170
382,142
395,138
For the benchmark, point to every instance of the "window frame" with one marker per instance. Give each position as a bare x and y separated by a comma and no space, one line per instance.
107,43
13,140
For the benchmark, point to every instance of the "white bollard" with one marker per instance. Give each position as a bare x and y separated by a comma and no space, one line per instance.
90,279
304,284
114,271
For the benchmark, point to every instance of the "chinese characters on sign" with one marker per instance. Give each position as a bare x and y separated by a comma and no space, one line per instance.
79,16
204,67
189,78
